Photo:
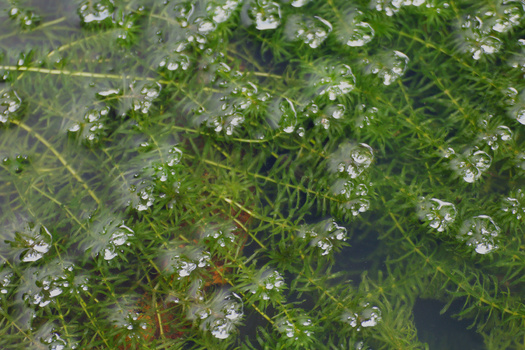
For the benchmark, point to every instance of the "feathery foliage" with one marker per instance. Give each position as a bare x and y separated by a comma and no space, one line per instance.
257,174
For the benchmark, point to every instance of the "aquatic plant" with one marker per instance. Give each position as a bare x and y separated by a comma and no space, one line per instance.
256,174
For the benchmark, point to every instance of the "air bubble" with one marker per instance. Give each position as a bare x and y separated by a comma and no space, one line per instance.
363,317
96,13
500,135
311,31
34,241
337,81
323,235
388,66
353,32
481,233
476,39
351,160
175,61
471,164
299,3
365,116
10,103
288,117
147,93
220,11
265,13
514,205
220,315
437,213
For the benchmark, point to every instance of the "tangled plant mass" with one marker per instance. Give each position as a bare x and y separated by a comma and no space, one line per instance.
252,174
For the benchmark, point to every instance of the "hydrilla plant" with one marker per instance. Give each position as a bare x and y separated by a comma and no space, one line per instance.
219,174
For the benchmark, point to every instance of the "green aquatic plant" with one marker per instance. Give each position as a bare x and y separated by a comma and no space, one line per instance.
256,174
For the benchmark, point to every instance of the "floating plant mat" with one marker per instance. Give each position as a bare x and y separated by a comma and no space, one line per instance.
260,174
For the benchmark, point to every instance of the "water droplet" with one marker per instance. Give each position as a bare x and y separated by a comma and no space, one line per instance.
515,205
364,316
220,315
388,66
329,113
265,13
310,30
365,116
296,325
183,261
501,134
323,235
288,116
95,13
143,95
503,16
26,19
219,237
351,160
299,3
510,95
354,32
221,11
337,81
438,214
10,103
476,39
471,164
480,232
175,61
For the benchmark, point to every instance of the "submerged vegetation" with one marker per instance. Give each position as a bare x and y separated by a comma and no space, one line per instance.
256,174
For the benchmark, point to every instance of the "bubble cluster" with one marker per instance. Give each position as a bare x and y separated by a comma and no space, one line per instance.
481,233
220,238
365,116
283,115
298,327
107,236
514,205
336,81
363,316
502,16
351,160
389,66
266,14
10,103
96,12
353,194
27,19
323,235
6,277
15,164
221,10
91,129
227,111
40,286
183,261
500,135
32,242
326,115
144,94
437,213
125,314
390,7
354,32
312,31
267,285
471,164
220,315
477,39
